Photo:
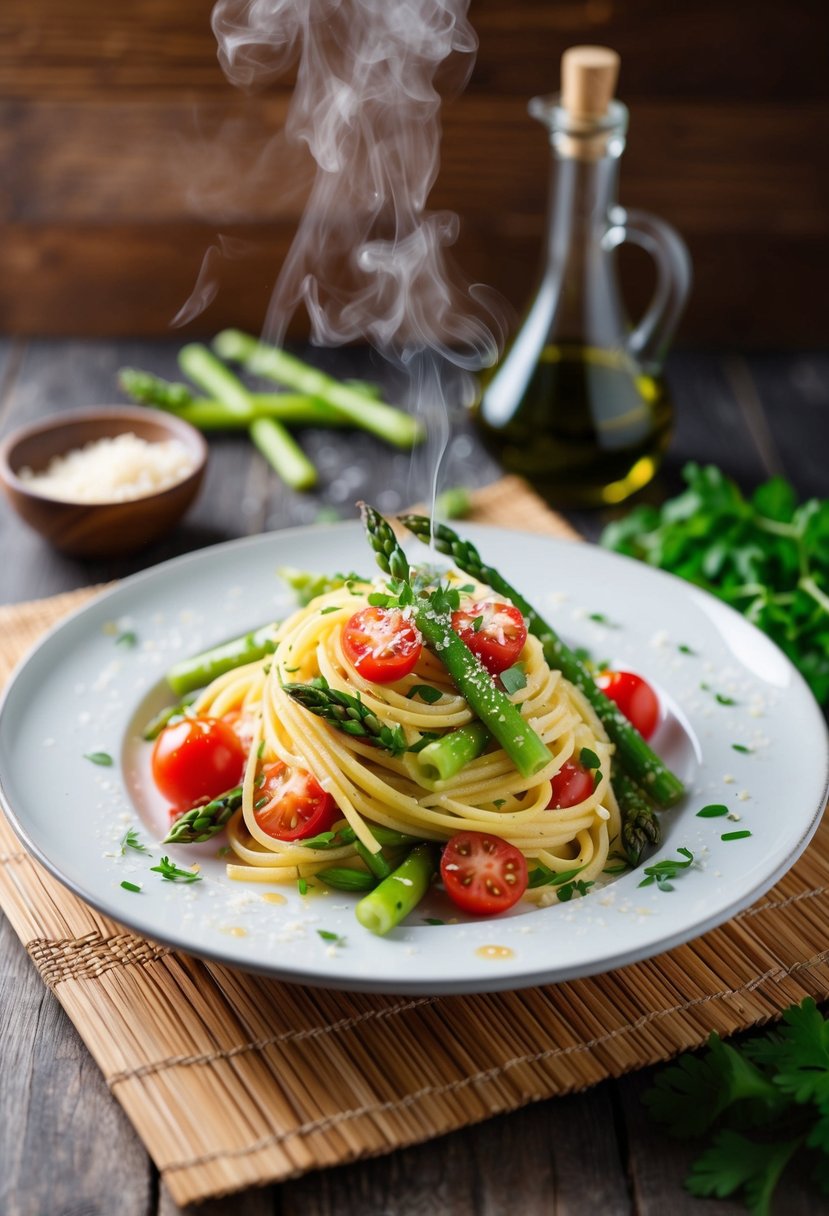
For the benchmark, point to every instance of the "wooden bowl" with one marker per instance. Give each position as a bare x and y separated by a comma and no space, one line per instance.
106,529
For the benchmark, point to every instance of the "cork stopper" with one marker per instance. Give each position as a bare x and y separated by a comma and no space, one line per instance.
588,81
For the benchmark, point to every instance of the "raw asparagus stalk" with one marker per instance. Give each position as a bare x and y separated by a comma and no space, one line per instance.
348,713
640,825
199,824
394,898
492,706
199,670
445,757
153,390
361,409
283,453
638,759
270,436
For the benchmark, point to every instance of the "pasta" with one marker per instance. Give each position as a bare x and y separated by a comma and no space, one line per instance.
402,790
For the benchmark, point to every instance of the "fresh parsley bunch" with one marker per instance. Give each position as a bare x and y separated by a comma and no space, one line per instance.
766,556
768,1099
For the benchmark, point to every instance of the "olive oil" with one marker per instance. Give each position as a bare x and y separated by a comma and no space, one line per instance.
589,428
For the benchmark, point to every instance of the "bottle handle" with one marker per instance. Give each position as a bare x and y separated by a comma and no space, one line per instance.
649,341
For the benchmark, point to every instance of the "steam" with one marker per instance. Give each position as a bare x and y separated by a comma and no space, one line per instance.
368,262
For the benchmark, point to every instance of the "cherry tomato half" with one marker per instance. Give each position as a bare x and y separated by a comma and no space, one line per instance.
297,804
195,759
635,698
494,632
382,643
571,785
483,874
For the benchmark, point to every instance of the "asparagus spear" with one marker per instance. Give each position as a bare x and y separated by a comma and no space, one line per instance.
199,824
348,713
388,423
270,436
640,826
395,897
637,758
201,669
445,757
152,390
433,618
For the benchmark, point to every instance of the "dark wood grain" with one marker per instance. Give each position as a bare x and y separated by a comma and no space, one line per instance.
65,1144
594,1152
123,151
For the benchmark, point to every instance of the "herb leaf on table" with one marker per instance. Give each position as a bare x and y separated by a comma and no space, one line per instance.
766,1100
765,555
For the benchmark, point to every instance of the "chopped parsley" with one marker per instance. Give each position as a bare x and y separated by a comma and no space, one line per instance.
425,692
433,920
127,638
735,835
476,624
713,811
664,872
722,699
513,679
302,886
131,840
328,936
330,608
173,873
741,747
683,649
589,758
102,758
132,886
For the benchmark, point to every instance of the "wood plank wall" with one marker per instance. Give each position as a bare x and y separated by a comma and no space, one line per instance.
124,152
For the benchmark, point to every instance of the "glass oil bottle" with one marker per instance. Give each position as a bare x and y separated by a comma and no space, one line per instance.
578,404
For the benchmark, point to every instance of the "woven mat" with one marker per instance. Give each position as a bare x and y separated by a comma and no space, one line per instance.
233,1080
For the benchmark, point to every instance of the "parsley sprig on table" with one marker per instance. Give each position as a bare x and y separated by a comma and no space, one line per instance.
766,556
766,1101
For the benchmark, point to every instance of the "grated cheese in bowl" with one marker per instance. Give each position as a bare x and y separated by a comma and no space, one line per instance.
116,469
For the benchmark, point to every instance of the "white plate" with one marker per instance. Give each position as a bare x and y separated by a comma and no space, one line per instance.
80,692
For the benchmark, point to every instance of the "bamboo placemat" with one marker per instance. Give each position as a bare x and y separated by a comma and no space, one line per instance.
233,1080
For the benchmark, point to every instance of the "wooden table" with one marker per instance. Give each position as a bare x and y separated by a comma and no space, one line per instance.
65,1145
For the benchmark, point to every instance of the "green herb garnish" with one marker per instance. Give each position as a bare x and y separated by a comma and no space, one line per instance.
741,835
328,936
589,758
102,758
714,811
513,679
173,873
131,840
127,638
425,692
132,886
741,747
302,886
663,872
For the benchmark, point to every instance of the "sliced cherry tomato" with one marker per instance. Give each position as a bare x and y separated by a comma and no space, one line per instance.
196,759
382,643
571,785
483,874
635,698
297,804
494,632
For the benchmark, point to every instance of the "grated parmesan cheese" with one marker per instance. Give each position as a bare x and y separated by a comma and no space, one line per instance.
112,470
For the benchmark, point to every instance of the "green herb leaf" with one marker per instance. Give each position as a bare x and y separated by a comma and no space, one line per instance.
433,920
722,699
425,692
127,638
589,758
476,624
714,811
173,873
302,886
131,840
328,936
665,871
102,758
741,747
683,649
735,835
513,679
330,608
132,886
